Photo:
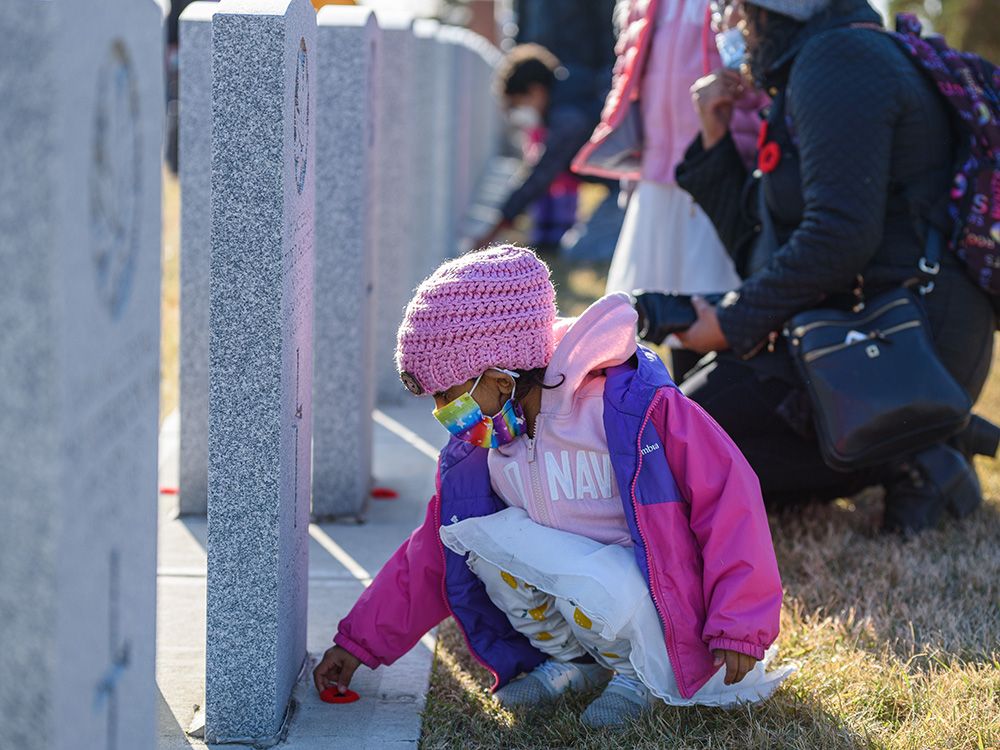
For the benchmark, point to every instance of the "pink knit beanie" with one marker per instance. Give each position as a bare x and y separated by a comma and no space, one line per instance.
492,308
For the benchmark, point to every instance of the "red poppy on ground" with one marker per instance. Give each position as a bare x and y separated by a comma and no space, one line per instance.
769,157
332,695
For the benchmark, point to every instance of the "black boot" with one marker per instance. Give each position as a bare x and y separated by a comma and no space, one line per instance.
925,486
980,438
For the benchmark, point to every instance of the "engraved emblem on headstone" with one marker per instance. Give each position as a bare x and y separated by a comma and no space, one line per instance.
301,120
115,179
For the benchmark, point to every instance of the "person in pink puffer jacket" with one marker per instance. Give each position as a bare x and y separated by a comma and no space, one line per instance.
667,243
591,525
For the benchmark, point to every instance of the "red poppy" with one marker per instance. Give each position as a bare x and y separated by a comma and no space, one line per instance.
333,695
762,135
769,157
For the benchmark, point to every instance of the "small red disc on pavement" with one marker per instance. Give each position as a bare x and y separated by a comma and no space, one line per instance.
332,695
384,493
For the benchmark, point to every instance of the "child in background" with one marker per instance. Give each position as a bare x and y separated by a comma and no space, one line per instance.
591,525
667,243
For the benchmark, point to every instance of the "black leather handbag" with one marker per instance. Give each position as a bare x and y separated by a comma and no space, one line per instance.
878,390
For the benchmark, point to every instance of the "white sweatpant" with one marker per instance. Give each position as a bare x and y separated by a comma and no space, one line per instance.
554,626
581,589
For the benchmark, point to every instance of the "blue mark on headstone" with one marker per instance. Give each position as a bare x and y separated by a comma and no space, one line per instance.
115,180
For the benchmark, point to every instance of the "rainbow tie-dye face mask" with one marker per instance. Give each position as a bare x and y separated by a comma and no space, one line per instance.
465,420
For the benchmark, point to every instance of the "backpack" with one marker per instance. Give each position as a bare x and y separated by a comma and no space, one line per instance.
971,86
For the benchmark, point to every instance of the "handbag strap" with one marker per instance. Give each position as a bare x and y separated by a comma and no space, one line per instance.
930,263
766,244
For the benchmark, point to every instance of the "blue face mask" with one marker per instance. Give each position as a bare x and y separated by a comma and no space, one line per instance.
732,48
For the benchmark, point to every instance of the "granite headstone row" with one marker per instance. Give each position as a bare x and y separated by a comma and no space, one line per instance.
409,129
326,164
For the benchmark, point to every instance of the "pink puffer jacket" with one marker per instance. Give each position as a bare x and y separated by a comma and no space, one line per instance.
660,75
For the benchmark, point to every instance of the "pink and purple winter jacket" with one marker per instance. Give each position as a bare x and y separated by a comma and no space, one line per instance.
562,476
691,504
657,65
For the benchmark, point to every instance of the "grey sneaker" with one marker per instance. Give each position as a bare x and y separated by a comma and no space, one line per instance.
623,699
549,680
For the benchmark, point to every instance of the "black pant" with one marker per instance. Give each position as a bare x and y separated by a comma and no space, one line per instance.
753,405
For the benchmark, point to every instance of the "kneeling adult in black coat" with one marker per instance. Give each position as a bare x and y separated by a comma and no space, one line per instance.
863,151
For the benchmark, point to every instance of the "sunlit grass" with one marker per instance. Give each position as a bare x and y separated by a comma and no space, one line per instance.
170,291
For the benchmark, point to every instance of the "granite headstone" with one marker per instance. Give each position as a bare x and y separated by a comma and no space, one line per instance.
433,109
426,114
456,133
395,212
463,108
493,119
343,396
80,159
196,236
260,362
483,59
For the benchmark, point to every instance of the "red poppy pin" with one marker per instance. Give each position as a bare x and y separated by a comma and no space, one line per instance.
769,157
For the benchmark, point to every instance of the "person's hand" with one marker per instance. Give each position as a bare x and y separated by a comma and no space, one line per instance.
733,15
335,669
706,334
713,98
738,665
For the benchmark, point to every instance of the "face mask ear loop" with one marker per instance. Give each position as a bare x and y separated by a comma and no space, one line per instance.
475,384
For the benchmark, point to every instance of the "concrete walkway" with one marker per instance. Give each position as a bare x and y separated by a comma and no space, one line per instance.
342,559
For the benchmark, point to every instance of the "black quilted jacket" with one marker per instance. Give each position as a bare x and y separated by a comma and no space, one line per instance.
866,151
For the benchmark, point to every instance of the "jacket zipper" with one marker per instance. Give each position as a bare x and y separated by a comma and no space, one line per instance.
660,609
801,331
537,499
817,353
447,603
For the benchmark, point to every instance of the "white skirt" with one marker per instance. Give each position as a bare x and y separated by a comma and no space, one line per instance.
668,244
605,583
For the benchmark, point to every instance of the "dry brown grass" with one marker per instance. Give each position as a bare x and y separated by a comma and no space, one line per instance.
897,643
171,293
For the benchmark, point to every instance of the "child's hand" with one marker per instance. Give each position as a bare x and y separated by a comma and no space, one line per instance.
737,664
335,669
